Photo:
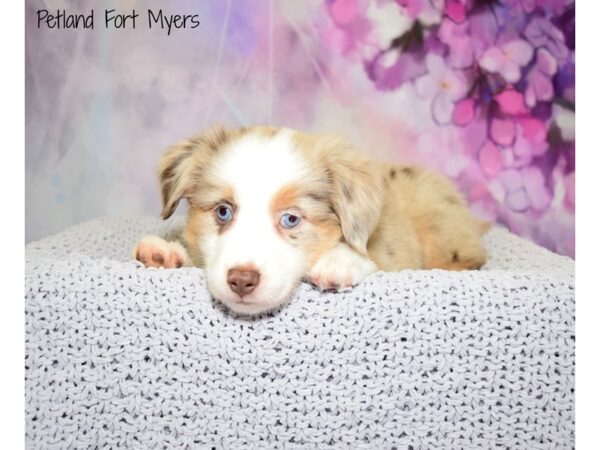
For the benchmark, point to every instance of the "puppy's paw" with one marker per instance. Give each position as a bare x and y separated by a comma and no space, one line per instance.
340,269
153,251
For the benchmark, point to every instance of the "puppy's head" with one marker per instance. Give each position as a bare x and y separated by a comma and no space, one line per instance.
265,204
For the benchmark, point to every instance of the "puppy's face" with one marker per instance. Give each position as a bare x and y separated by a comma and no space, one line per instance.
264,205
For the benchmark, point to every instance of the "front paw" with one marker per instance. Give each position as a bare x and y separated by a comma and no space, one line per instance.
153,251
340,269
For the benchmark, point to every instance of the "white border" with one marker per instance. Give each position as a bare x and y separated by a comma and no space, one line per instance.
587,223
13,224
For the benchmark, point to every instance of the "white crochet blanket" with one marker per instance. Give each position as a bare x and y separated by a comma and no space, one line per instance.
122,356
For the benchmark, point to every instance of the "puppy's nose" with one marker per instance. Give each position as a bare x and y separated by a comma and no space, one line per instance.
242,282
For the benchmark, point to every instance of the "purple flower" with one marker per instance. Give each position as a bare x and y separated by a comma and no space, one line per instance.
499,80
539,79
459,41
507,59
542,33
389,70
535,186
530,141
468,40
525,189
443,85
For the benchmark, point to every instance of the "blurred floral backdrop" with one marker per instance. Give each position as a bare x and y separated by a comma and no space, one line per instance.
480,90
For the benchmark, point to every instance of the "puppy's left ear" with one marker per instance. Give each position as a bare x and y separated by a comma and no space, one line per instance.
357,194
182,166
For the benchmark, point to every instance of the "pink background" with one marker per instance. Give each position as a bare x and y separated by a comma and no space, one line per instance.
480,90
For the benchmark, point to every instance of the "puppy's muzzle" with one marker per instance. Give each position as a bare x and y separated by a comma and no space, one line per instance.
242,281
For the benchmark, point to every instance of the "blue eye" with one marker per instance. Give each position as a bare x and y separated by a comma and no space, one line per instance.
289,221
223,213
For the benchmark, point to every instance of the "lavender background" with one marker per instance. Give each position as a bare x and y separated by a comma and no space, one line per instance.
480,90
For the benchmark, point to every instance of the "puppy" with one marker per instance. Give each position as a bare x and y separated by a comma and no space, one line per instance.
271,206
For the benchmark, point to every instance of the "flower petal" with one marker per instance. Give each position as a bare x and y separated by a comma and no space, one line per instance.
511,180
569,200
436,66
517,200
456,85
464,111
530,99
519,51
534,130
542,86
546,63
343,11
492,60
522,150
483,30
502,131
536,31
427,86
456,10
490,159
508,157
461,54
535,187
511,72
442,108
511,102
407,68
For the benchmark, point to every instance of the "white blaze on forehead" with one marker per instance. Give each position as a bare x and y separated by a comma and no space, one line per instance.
257,167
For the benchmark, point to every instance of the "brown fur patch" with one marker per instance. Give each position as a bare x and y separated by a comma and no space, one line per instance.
266,131
353,183
322,239
286,198
318,197
318,232
158,258
199,223
428,224
140,257
408,172
184,167
347,190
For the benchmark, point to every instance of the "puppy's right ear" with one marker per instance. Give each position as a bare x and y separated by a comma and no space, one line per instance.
181,167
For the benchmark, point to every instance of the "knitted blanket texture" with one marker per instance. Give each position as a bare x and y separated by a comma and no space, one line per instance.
121,356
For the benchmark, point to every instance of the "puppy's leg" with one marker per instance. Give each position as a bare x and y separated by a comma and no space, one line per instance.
153,251
340,268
